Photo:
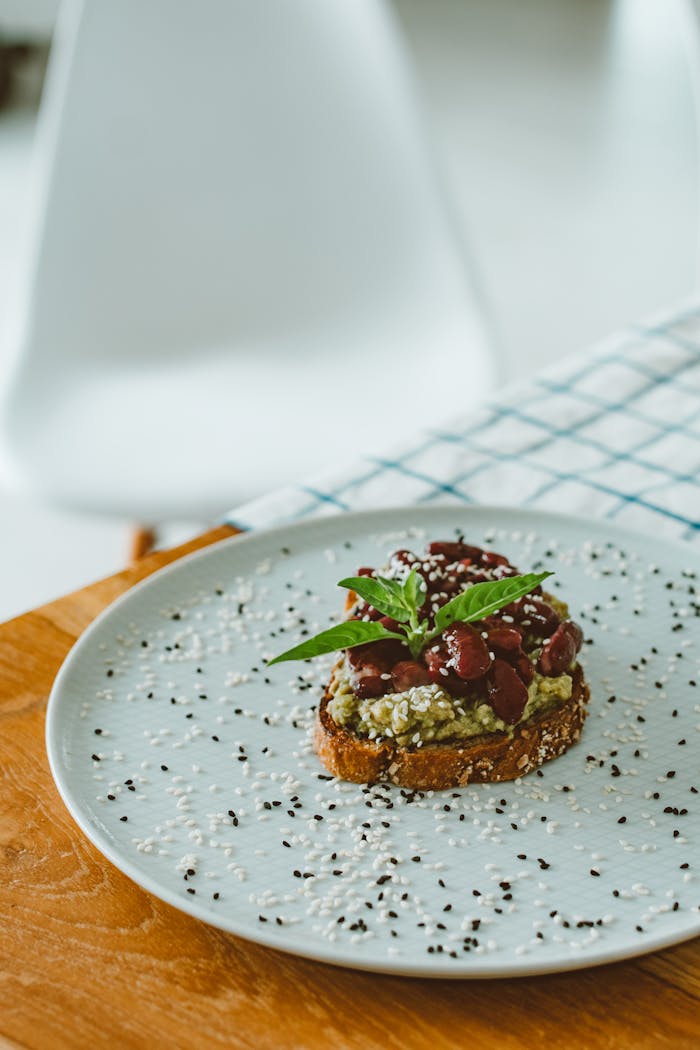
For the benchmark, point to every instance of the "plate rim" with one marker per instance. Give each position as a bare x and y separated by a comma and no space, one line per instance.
344,959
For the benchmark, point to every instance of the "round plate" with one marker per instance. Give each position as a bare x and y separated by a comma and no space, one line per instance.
189,764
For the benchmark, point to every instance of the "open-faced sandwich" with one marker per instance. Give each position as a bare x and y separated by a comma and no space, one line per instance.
454,668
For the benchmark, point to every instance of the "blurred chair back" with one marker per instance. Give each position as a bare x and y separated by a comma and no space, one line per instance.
243,264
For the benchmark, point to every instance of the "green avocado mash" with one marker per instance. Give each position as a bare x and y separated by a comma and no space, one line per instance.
427,713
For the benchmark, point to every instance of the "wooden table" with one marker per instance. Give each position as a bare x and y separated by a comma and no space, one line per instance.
88,959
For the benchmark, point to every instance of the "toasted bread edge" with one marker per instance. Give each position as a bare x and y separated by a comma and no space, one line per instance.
492,757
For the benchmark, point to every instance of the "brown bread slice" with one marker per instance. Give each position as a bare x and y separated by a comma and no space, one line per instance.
446,764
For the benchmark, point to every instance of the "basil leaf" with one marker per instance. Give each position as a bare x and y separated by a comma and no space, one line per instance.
342,636
482,599
414,590
385,595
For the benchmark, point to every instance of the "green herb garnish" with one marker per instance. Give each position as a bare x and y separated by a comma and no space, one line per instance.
402,602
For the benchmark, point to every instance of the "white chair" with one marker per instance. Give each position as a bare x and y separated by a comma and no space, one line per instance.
243,265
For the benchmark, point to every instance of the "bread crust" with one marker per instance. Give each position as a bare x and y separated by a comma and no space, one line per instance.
435,767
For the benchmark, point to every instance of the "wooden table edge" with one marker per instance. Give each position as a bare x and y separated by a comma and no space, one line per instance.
665,970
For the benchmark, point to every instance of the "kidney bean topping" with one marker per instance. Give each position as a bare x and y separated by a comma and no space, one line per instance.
491,658
455,551
382,655
507,693
504,639
534,616
469,653
559,651
523,666
408,673
575,631
404,557
437,660
369,686
491,560
390,624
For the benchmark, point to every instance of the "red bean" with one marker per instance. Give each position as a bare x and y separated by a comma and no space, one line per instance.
468,651
558,652
575,631
404,557
440,671
524,668
490,559
504,639
382,654
436,659
455,551
369,686
506,692
535,616
390,624
408,673
479,577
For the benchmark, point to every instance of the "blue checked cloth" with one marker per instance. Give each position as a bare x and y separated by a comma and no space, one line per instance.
613,432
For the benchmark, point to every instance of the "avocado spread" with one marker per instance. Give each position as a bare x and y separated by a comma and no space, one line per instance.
427,713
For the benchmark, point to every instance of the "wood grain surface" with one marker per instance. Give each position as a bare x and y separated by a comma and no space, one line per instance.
87,959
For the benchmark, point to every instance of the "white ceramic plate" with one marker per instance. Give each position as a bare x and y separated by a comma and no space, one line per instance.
189,765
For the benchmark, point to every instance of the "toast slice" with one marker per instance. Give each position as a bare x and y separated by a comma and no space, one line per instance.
445,764
486,701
